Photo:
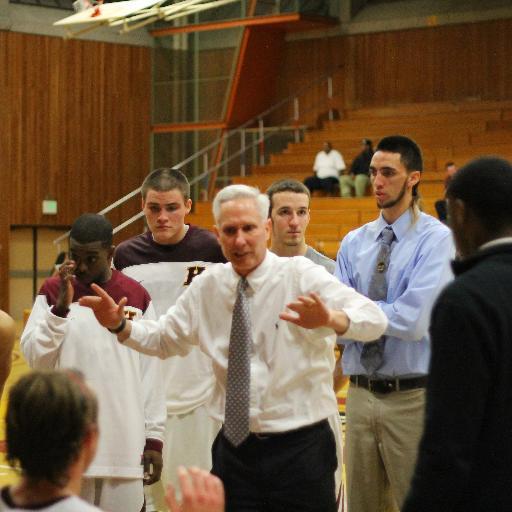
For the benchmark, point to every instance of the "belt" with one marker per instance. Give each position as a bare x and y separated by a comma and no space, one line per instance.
388,385
289,433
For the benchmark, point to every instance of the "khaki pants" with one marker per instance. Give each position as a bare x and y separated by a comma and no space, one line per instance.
359,182
383,433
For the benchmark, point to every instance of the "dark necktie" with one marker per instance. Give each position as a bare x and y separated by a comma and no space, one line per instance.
236,414
372,353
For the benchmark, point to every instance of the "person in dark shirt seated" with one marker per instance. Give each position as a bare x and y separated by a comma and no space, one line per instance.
359,172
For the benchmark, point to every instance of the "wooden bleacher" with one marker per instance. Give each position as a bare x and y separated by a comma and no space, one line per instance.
445,131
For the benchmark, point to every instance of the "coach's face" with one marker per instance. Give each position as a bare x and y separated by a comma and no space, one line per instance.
242,234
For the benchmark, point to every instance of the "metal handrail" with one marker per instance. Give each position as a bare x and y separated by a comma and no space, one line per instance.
258,119
261,115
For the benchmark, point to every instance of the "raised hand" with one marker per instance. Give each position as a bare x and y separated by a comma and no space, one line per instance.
311,312
105,309
66,289
201,492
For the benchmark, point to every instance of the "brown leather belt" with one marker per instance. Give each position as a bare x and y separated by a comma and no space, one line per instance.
388,385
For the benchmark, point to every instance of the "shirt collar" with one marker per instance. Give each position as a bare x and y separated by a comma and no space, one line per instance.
495,247
259,275
400,226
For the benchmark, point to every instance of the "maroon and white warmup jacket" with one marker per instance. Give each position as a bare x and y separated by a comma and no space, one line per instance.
166,271
128,384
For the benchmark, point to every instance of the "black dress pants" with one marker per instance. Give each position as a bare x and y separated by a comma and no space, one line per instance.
326,184
287,472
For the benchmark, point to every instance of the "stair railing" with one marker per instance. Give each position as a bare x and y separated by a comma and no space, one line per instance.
254,128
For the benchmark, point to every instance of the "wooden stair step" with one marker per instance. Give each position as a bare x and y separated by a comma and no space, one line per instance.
492,138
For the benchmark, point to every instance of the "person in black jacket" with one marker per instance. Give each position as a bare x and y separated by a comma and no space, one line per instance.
465,456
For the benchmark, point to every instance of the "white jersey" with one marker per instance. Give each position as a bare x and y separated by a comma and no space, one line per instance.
66,504
129,387
166,271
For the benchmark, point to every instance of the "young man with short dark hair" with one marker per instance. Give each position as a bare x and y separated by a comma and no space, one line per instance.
400,261
290,215
165,260
62,334
464,457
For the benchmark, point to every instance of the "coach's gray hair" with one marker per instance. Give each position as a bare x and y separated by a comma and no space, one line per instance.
233,192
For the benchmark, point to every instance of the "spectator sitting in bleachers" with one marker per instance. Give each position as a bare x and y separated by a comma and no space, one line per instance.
359,176
327,167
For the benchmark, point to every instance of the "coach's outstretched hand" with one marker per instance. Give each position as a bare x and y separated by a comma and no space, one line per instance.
107,312
310,312
201,492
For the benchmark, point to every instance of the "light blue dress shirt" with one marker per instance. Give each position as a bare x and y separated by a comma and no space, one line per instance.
419,268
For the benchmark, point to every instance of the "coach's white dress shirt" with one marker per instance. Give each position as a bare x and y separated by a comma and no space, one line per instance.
291,367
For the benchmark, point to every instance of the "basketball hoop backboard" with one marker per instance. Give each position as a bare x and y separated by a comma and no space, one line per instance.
108,12
133,14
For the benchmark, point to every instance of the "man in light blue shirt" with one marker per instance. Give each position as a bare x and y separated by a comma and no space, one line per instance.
385,406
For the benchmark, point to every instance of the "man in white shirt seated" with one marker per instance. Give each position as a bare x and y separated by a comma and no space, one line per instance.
327,168
269,325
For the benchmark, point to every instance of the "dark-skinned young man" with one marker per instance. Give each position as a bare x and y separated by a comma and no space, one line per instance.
62,334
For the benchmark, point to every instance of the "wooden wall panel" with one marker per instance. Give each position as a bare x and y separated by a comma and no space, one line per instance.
80,119
76,127
454,62
5,193
303,62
